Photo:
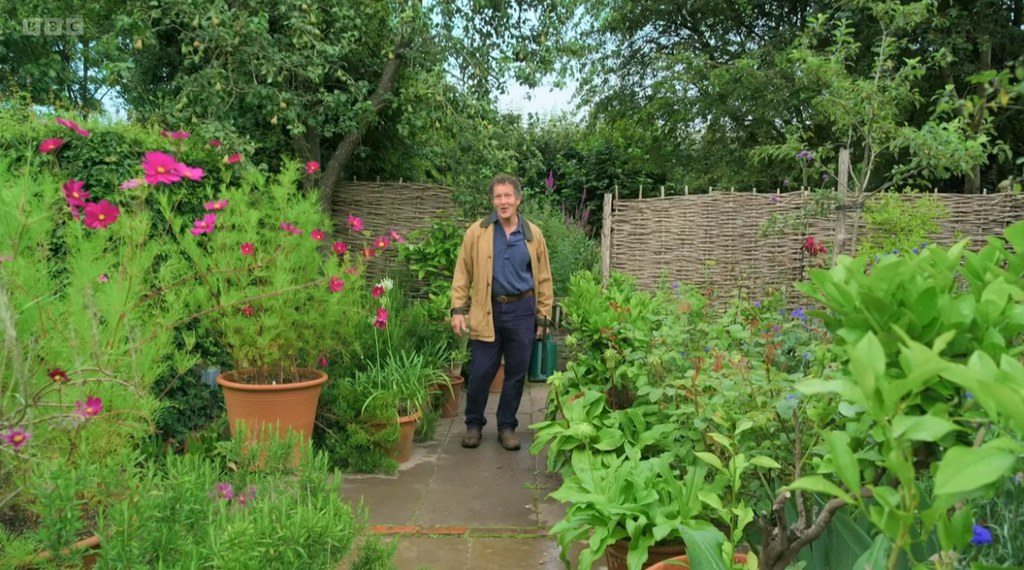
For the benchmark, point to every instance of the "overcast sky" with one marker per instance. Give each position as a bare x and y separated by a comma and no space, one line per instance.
544,100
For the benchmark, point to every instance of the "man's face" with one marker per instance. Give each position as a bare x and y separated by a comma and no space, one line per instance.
505,201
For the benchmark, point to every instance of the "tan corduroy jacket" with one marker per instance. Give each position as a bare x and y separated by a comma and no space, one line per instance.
471,284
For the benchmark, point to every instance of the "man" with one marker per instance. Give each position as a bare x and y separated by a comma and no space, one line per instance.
502,295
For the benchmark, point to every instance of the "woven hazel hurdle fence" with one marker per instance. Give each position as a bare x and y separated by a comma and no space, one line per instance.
385,206
714,241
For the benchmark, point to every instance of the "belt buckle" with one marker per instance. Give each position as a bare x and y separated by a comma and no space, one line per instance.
502,299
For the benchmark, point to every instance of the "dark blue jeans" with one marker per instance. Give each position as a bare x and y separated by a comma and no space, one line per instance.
515,325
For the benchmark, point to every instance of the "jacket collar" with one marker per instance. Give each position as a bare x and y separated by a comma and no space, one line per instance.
493,218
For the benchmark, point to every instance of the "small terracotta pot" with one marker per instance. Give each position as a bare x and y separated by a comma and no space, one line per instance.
683,563
292,404
91,545
615,555
499,380
451,398
407,429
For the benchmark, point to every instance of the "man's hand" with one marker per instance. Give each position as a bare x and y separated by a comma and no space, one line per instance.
459,324
542,331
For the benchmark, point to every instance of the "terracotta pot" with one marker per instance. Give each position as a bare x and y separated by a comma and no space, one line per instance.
683,563
292,405
499,380
451,398
615,555
407,429
91,545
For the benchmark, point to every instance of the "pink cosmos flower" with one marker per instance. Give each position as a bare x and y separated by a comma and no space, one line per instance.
90,409
17,438
161,168
73,126
246,248
205,225
100,215
351,271
312,166
381,242
103,278
237,157
355,223
58,375
215,143
133,183
216,205
322,360
176,135
377,291
296,231
395,236
287,227
317,234
50,145
190,172
336,285
339,247
382,318
243,499
247,311
74,212
223,491
74,193
367,252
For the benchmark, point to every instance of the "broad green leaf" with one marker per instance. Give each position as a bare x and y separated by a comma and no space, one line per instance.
609,439
703,545
710,459
843,460
965,469
767,462
922,428
818,484
876,558
722,440
711,499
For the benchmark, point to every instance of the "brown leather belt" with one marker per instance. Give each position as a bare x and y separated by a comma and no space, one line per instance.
503,299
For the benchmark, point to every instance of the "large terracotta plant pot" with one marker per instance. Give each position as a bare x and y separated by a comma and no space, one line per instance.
407,429
615,555
291,405
683,563
450,397
499,380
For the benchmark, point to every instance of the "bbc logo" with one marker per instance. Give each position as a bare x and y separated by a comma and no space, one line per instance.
72,26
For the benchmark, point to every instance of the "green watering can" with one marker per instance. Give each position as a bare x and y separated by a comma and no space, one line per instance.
543,359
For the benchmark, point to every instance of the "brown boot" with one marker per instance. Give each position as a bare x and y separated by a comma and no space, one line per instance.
472,437
508,439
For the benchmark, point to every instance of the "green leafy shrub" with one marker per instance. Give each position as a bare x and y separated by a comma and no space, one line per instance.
898,224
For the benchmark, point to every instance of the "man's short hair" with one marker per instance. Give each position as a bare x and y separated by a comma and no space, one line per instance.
508,179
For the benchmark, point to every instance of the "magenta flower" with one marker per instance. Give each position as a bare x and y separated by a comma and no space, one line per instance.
322,360
58,375
241,500
336,285
90,409
247,311
50,145
317,234
205,225
351,271
100,215
246,248
176,135
549,182
17,438
397,237
237,157
312,166
355,223
367,252
287,227
223,491
103,278
377,291
161,168
381,242
133,183
73,126
192,173
216,205
382,318
74,194
339,247
215,143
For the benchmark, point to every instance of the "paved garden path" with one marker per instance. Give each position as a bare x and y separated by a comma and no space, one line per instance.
452,508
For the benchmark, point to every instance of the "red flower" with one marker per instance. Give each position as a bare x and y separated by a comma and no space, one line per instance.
336,284
50,145
367,252
377,291
322,361
215,143
382,318
247,311
100,215
73,126
237,157
355,223
246,248
312,166
58,375
381,242
176,135
317,234
339,247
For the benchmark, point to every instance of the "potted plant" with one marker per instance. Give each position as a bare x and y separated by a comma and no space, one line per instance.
279,294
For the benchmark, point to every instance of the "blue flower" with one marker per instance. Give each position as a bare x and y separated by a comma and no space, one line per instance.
757,303
707,349
798,313
791,397
675,285
968,395
981,535
895,252
807,356
915,250
682,353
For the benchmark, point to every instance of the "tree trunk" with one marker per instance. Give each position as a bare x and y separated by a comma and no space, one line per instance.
972,185
339,160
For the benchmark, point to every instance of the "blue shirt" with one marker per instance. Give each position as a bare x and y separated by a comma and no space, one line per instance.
513,273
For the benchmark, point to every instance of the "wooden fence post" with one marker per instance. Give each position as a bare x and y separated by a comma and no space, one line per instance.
844,181
606,240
